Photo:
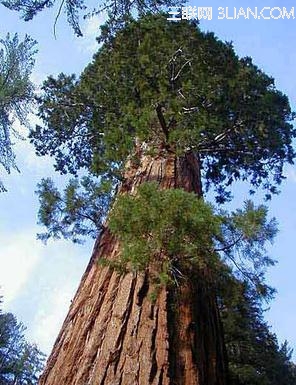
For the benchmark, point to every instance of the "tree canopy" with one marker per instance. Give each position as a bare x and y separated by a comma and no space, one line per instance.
16,93
190,92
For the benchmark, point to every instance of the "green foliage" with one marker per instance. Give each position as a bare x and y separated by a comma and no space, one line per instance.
118,11
16,92
255,357
178,234
168,228
20,362
188,92
245,234
78,212
72,137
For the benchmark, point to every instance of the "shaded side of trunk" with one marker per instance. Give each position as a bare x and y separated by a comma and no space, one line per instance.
115,335
196,333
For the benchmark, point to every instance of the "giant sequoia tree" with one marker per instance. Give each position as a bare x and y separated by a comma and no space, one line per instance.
164,112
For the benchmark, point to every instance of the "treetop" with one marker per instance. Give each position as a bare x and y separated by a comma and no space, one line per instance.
188,92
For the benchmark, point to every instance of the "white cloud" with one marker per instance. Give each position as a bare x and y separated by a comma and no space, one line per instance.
91,30
290,173
63,265
19,254
38,78
49,318
38,282
39,166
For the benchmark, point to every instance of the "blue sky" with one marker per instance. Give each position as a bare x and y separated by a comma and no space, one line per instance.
38,281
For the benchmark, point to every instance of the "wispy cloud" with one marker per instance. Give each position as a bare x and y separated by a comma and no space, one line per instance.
18,257
290,173
91,30
38,282
64,264
50,315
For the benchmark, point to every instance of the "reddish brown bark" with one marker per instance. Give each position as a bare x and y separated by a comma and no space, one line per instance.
115,335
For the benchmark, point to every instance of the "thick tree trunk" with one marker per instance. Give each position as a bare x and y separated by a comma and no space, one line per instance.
114,334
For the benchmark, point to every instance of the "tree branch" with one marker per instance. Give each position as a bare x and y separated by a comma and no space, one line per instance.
57,17
188,110
162,121
230,245
173,79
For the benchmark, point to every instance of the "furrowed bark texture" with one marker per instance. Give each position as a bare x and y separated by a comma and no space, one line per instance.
115,335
